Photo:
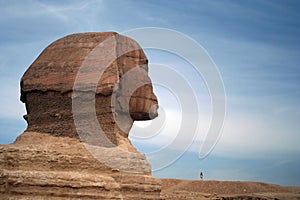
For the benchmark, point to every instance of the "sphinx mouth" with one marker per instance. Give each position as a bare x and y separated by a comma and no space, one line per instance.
142,116
153,113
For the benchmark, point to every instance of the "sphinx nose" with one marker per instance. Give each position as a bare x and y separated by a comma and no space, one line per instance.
153,111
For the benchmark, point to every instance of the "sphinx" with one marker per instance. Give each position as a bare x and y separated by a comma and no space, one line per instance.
82,95
85,75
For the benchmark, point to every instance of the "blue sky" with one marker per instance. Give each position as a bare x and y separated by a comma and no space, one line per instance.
255,44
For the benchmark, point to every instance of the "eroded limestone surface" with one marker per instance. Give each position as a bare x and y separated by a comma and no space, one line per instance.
63,154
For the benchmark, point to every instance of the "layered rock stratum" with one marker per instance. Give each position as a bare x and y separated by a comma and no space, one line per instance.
41,166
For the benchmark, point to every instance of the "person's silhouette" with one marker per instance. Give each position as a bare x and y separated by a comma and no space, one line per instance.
201,176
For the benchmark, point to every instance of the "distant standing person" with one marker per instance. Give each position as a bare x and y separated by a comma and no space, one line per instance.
201,176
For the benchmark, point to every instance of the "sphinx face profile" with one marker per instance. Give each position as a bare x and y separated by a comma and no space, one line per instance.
123,89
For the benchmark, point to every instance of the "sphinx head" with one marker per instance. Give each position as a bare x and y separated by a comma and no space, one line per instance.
110,67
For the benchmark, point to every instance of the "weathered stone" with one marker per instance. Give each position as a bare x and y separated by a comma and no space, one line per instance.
41,166
77,83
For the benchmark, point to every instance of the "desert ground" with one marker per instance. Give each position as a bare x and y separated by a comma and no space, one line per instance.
192,190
